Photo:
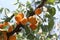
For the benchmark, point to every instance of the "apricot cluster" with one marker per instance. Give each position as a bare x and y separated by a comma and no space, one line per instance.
13,37
20,19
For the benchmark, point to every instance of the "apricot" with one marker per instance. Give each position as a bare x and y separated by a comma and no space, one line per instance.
38,11
33,26
1,25
10,29
32,20
4,35
18,17
24,21
13,37
5,23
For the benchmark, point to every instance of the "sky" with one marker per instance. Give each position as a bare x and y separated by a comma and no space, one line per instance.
9,4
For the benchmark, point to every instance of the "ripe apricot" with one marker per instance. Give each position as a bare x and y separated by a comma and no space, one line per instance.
24,21
17,23
5,23
18,17
21,14
33,26
4,35
10,29
32,20
38,11
13,37
1,25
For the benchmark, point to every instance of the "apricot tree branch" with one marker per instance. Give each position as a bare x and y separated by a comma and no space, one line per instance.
42,3
16,30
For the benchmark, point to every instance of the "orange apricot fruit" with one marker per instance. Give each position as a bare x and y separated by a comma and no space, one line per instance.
24,21
5,23
33,26
18,17
10,29
13,37
32,20
21,14
1,25
4,35
38,11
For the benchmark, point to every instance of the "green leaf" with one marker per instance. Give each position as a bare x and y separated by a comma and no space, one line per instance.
1,9
38,27
48,27
28,4
19,5
9,18
47,15
30,13
7,9
17,0
38,2
50,1
58,8
22,10
27,30
48,39
52,11
50,24
44,28
30,36
49,36
59,0
15,3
